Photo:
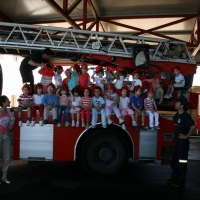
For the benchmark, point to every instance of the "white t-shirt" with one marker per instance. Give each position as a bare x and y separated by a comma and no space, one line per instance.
119,82
109,102
76,101
135,82
98,80
38,98
123,102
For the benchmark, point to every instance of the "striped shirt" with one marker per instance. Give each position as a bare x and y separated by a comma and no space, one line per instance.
86,101
45,80
149,103
63,100
24,98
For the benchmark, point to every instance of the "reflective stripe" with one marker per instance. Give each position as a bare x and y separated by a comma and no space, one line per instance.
183,161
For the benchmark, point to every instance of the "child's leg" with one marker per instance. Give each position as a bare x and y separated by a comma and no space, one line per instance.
94,117
29,112
136,116
118,114
82,117
41,110
108,113
54,112
59,114
151,124
172,90
66,113
88,116
103,117
78,118
156,115
33,112
19,112
142,117
123,113
46,113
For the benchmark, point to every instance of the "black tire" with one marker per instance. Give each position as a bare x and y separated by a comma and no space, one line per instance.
104,153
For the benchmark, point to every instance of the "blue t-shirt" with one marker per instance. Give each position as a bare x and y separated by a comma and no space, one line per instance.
73,81
137,101
97,102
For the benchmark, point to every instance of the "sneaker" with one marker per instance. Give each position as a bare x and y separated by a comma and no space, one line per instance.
83,125
73,124
20,123
87,126
55,121
166,96
93,126
77,124
104,126
151,128
170,96
41,123
45,121
121,121
28,123
177,184
143,128
58,125
67,124
136,128
123,126
134,123
33,123
157,127
110,122
170,180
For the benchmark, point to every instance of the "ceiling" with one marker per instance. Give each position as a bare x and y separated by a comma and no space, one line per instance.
172,19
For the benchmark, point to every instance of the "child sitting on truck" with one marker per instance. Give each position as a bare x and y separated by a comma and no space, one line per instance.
136,81
50,102
25,102
179,81
158,92
136,104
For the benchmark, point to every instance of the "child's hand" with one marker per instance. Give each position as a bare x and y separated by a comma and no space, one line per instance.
103,81
106,96
113,104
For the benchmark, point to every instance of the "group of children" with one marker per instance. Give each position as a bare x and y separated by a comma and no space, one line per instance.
73,95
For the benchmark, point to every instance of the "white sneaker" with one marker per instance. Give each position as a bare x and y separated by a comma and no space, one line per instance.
28,123
104,126
83,125
20,123
166,96
170,96
123,126
32,123
77,124
41,123
110,122
67,124
121,121
73,123
134,123
58,125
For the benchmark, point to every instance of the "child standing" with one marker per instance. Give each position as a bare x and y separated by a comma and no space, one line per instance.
119,75
136,80
136,105
57,76
124,104
112,99
50,102
64,101
74,76
84,77
99,79
159,92
37,104
25,102
151,109
75,106
110,74
98,105
178,82
68,77
86,104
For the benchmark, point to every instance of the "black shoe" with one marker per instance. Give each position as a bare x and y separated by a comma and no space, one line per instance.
170,180
45,121
136,128
55,121
177,184
143,128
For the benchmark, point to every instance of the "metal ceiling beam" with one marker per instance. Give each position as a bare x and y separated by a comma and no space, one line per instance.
59,10
73,6
80,24
92,24
84,14
198,26
4,17
65,5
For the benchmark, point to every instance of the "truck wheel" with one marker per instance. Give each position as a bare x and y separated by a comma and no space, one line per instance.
104,153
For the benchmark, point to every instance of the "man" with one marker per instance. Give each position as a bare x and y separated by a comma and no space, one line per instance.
32,62
184,126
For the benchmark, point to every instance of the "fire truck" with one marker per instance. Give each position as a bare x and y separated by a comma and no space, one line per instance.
102,152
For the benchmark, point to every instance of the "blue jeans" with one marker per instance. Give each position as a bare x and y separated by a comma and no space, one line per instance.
66,113
95,116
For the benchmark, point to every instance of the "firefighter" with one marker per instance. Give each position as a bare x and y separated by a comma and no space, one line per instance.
184,126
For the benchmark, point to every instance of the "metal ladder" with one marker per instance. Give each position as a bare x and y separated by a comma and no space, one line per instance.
30,37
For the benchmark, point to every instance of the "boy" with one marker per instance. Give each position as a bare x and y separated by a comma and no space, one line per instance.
136,80
136,104
25,102
159,92
98,105
178,82
50,101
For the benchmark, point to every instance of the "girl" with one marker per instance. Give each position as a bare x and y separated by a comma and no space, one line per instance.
119,75
86,105
124,104
100,81
37,104
110,74
47,75
74,76
75,106
84,78
151,109
57,76
64,101
112,100
5,141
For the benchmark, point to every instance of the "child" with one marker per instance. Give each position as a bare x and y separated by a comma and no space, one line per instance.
136,105
63,106
136,80
86,104
84,78
151,109
25,102
57,76
37,104
75,106
110,74
68,77
159,92
47,75
74,76
99,80
178,82
124,104
112,100
119,75
98,105
50,102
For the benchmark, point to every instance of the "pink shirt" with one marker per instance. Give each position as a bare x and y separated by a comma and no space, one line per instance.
4,122
63,100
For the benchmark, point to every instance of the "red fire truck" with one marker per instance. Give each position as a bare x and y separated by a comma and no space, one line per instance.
103,152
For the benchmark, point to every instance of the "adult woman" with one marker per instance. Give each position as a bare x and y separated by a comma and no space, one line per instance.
5,141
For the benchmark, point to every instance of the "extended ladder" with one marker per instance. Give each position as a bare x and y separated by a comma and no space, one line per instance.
30,37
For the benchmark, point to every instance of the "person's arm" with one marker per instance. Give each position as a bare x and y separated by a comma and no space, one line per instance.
78,80
161,98
135,109
116,101
167,117
145,105
192,128
92,77
88,80
116,75
35,64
